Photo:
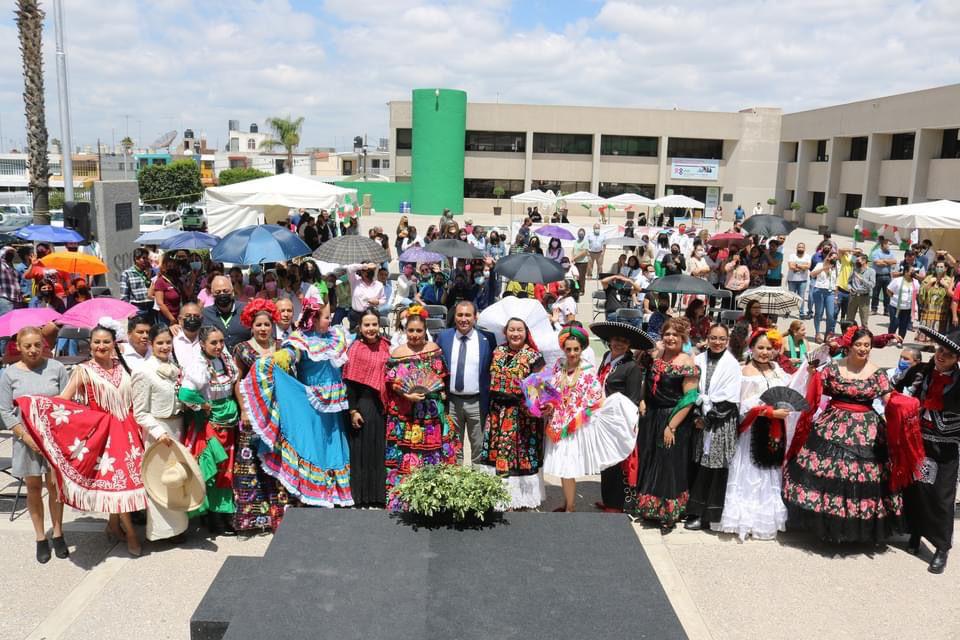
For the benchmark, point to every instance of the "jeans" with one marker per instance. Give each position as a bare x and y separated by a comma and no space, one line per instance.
900,321
614,316
823,302
843,299
799,287
883,280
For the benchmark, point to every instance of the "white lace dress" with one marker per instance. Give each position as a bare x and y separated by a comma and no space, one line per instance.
753,506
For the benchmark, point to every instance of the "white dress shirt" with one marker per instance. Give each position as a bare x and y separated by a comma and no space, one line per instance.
187,351
471,370
133,359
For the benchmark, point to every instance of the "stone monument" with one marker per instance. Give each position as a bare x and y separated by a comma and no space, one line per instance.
115,223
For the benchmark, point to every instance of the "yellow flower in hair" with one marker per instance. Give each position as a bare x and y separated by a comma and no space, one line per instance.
775,338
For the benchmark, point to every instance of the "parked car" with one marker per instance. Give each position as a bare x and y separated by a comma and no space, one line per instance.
56,217
157,221
193,218
14,216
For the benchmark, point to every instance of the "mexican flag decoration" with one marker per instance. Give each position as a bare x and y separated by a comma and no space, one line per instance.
348,210
857,234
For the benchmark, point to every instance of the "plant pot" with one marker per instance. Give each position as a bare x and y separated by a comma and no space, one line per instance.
445,520
497,211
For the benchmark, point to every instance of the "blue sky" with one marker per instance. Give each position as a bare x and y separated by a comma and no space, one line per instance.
147,67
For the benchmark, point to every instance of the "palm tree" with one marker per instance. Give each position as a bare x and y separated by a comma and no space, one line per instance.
30,25
286,134
127,143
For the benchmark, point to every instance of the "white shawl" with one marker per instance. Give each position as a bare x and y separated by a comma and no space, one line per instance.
725,383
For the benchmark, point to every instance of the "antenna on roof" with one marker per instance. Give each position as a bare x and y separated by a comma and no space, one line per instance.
164,141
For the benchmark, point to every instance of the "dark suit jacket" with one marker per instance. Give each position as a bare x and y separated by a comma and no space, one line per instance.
234,333
626,378
488,342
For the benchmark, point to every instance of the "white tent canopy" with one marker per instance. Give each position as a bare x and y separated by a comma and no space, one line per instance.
628,199
940,214
536,196
582,197
267,200
679,202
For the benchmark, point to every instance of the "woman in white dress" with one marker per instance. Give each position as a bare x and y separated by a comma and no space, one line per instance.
752,505
159,412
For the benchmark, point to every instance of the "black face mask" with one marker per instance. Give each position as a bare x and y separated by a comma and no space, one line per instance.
192,323
223,299
676,253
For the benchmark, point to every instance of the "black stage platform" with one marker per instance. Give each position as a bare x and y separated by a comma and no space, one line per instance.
342,574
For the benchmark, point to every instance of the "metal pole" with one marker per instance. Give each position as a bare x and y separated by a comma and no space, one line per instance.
66,143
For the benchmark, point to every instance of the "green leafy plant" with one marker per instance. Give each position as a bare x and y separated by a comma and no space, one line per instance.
463,492
795,206
171,184
240,174
822,208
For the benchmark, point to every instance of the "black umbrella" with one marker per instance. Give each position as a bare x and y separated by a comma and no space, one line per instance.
528,267
767,225
9,238
638,338
351,250
454,249
685,284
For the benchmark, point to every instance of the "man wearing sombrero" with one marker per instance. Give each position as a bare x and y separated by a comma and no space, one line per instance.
929,502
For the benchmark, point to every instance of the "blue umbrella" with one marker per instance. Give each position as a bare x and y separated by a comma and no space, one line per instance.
48,233
158,236
419,254
190,240
258,244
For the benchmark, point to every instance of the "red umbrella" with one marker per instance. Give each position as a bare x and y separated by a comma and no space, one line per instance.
728,240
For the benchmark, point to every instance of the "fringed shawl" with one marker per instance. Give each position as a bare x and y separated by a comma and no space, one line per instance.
367,365
103,394
331,345
723,386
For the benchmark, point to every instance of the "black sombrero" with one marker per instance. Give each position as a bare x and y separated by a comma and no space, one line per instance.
951,340
638,339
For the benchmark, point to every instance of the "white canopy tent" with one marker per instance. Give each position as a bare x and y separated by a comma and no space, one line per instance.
267,200
628,199
536,196
679,202
582,197
939,214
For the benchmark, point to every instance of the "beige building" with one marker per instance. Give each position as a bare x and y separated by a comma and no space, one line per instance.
889,150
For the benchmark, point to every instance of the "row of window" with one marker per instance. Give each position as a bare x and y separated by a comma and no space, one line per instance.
901,147
579,143
484,188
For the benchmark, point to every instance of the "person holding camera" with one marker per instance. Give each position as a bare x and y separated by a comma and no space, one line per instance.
903,293
824,285
367,291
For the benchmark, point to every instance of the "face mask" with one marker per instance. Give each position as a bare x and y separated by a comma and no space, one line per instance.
903,365
173,272
478,280
192,323
941,269
675,252
196,265
255,268
799,252
581,235
271,287
223,299
699,253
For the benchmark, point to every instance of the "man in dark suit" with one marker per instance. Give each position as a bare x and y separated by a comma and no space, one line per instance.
224,313
468,352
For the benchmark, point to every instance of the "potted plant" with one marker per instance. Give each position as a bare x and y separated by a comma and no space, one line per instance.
498,191
792,212
447,494
772,202
822,208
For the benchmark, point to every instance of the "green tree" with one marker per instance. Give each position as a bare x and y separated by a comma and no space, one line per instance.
127,143
170,185
286,134
30,28
241,174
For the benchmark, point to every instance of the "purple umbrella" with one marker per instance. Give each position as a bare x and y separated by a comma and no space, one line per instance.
419,254
553,231
86,314
13,321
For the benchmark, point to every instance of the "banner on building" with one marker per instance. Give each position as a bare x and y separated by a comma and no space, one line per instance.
694,169
711,202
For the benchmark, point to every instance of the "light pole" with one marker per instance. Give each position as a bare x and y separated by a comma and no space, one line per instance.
66,143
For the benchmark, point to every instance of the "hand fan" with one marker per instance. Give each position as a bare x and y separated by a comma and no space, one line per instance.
784,398
420,381
538,392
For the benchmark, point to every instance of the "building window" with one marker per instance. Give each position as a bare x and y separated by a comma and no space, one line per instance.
695,148
791,197
792,151
558,186
375,163
858,148
818,198
822,151
483,187
852,203
901,146
629,146
611,189
951,144
563,143
506,141
893,201
385,163
404,138
697,193
234,145
251,144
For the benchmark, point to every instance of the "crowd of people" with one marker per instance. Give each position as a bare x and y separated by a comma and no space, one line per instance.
687,420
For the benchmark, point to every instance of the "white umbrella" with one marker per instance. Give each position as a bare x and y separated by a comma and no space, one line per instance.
495,317
679,202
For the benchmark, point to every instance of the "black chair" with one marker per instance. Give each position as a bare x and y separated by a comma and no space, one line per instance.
101,292
393,276
6,467
729,316
599,301
82,336
437,311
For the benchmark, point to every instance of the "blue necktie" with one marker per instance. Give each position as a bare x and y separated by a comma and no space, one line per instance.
461,362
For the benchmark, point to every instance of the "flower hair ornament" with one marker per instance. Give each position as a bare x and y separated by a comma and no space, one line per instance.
577,333
117,328
256,307
774,336
847,340
311,309
417,310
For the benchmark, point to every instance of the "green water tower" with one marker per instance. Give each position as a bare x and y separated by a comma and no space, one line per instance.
439,132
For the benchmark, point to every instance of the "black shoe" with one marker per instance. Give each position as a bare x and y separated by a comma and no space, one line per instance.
693,524
226,523
666,528
913,547
43,551
213,524
60,547
939,562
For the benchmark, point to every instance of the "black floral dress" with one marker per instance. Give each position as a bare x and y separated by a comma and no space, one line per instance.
837,485
662,490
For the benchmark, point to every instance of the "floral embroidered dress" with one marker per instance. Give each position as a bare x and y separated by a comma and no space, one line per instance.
301,420
211,437
418,433
513,439
260,498
93,443
662,491
837,485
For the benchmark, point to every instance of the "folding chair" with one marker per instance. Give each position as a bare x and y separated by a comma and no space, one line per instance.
6,467
729,316
599,301
437,311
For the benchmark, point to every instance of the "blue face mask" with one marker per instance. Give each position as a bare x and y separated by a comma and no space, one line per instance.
903,365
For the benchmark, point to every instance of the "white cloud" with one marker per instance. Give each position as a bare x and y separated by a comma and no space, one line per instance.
178,64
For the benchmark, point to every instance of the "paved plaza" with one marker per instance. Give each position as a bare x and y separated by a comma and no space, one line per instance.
793,587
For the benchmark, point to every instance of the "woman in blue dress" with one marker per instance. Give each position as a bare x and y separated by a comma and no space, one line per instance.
296,402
